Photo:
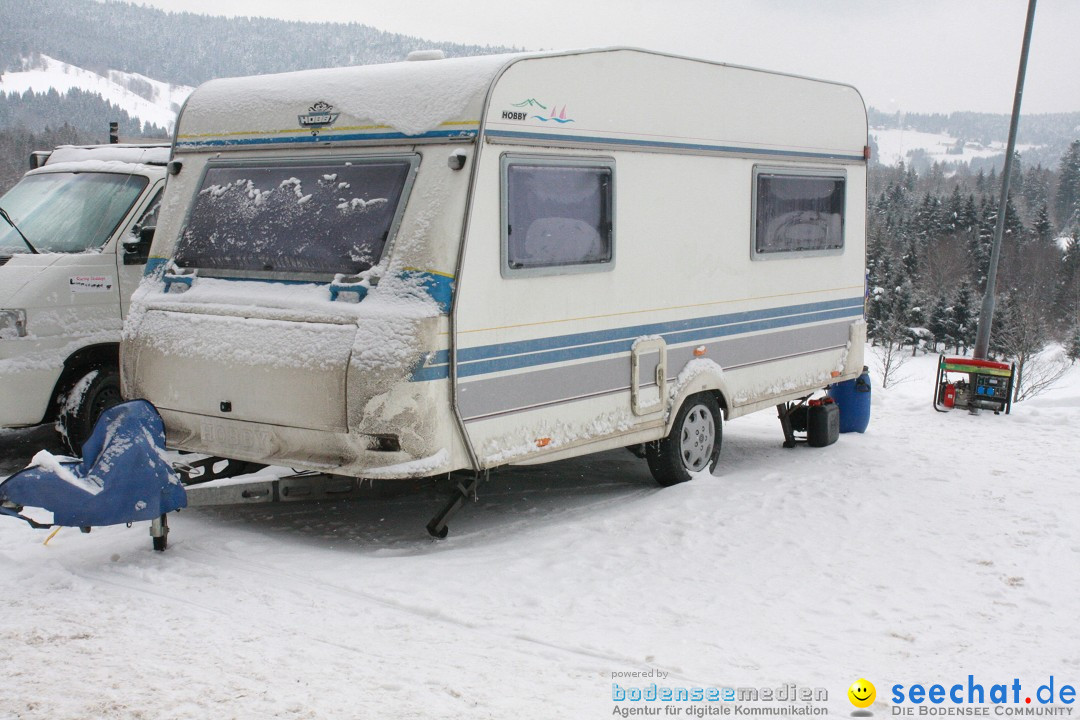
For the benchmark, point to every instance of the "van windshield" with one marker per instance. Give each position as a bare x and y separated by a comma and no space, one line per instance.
67,212
329,217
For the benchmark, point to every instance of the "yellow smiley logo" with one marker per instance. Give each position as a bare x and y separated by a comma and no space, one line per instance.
862,693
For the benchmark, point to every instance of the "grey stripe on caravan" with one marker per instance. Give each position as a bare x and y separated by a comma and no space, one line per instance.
489,397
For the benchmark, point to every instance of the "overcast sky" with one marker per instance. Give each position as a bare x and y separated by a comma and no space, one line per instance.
909,55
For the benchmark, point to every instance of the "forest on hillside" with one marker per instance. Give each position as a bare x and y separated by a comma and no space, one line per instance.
928,251
189,49
41,121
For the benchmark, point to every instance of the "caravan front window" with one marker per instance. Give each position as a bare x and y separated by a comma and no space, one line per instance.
325,217
557,215
798,211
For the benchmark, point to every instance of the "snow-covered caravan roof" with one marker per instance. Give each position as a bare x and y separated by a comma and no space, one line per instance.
633,98
417,99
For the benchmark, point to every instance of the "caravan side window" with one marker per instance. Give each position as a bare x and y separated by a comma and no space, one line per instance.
798,211
557,215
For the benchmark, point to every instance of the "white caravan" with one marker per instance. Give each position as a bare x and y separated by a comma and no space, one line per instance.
70,257
405,270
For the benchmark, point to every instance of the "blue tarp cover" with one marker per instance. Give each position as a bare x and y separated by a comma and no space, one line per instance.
124,475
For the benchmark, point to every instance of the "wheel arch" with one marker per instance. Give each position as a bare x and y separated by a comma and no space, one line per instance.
82,361
698,376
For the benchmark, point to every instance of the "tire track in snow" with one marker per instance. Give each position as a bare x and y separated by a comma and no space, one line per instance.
215,558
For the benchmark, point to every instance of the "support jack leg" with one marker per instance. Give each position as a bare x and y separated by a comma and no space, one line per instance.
783,411
159,531
465,490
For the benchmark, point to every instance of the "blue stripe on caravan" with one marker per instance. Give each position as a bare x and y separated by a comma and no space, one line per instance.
153,264
322,138
515,362
514,355
634,331
436,372
667,145
439,287
755,326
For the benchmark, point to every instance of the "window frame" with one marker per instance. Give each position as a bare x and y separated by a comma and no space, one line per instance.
412,158
824,173
534,160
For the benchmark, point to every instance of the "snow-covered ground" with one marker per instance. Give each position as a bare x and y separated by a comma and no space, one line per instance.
931,547
158,102
895,144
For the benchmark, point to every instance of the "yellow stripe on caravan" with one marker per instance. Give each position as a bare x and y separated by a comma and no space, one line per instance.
305,131
430,272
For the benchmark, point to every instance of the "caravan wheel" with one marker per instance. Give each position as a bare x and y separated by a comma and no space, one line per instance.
692,446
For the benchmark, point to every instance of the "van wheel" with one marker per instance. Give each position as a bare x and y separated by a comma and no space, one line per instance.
692,446
94,393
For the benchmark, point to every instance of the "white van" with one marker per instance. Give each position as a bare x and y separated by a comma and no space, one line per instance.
404,270
70,257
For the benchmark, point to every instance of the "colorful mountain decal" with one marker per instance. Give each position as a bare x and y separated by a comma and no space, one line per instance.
531,102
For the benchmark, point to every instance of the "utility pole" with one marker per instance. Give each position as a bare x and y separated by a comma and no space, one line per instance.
986,315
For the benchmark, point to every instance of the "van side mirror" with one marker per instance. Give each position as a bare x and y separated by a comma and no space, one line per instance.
137,251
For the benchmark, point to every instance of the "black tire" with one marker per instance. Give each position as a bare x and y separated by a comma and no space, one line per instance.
101,391
693,445
161,543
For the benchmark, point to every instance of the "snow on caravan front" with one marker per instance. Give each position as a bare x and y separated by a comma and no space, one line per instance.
408,269
306,255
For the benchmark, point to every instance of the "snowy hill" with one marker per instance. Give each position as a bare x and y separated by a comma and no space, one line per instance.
150,100
977,139
896,144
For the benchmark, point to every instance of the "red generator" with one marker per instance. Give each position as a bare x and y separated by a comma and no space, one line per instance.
973,384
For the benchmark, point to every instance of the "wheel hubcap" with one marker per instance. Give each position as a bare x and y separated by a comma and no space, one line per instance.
698,438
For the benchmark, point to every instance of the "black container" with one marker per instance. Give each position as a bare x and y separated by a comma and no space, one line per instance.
822,424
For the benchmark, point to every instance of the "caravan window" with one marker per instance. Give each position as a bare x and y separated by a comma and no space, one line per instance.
321,217
557,215
798,211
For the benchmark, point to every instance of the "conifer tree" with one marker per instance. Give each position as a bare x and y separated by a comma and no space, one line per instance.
969,215
1042,228
1068,295
1014,226
1072,345
1067,203
954,209
964,317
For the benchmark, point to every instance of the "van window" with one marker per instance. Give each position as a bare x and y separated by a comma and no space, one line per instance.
798,212
557,215
331,216
67,212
